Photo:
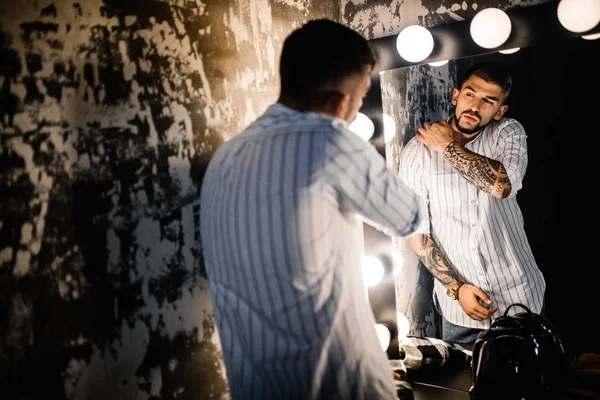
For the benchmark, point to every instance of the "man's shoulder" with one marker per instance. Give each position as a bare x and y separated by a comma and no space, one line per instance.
413,141
412,144
412,152
281,119
507,122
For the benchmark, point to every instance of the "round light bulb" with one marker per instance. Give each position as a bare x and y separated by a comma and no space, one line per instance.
578,15
372,270
490,28
362,126
398,261
403,326
389,128
438,63
591,36
384,335
414,43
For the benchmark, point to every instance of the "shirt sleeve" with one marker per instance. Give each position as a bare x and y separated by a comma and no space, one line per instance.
366,186
512,152
410,171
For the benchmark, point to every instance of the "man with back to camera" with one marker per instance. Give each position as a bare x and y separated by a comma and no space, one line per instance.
279,223
467,171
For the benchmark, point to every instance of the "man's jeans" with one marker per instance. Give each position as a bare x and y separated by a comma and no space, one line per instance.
461,334
455,333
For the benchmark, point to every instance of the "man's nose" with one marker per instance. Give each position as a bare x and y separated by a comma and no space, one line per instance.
475,105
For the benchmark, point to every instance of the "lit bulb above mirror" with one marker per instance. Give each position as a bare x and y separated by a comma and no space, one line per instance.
591,36
372,270
579,15
403,326
490,28
384,335
362,126
439,63
389,128
414,43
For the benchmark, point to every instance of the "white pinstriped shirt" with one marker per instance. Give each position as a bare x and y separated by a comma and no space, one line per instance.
280,241
482,236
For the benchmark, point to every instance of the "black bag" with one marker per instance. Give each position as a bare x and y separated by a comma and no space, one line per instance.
519,357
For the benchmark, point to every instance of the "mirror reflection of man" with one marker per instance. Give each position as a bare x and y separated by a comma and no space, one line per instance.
467,172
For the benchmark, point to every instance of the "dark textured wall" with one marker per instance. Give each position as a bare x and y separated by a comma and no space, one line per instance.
378,18
108,114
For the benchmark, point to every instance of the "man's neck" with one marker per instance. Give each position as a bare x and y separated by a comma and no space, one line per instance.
461,137
292,103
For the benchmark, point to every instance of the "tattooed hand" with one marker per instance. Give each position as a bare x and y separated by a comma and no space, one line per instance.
436,136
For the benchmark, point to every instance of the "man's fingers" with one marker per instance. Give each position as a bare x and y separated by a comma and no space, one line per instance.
478,316
482,313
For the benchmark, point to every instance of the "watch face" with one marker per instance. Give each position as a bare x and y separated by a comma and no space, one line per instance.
452,293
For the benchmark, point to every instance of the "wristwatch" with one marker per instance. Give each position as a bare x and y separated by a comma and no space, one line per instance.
453,293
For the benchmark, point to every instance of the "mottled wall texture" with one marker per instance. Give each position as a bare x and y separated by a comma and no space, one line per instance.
109,111
411,96
378,18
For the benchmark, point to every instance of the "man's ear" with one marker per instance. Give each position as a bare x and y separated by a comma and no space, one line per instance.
501,112
454,96
336,104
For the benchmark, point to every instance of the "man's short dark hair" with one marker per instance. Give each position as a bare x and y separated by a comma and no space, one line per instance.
319,53
491,72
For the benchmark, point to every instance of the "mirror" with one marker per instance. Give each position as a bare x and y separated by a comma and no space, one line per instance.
555,97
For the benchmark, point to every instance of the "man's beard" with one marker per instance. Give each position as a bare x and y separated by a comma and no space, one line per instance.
465,130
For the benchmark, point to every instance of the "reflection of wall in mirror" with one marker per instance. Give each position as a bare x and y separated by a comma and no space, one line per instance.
411,96
550,84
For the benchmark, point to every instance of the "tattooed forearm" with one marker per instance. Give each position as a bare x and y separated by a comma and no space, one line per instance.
434,260
486,174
